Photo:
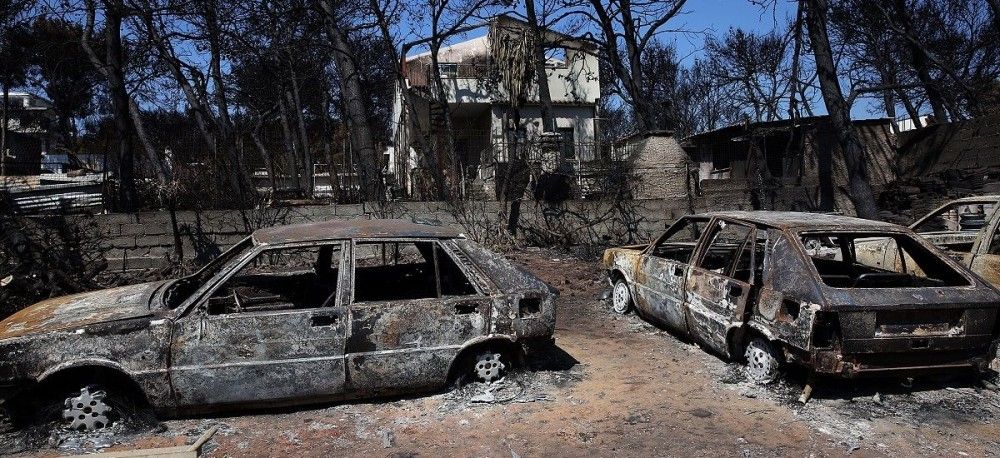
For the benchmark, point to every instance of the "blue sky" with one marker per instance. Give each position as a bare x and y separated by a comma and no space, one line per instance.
702,18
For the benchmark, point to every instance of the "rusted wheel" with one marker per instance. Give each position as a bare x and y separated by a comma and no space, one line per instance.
621,298
489,366
763,361
88,410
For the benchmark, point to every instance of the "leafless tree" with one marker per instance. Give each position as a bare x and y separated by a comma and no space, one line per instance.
626,29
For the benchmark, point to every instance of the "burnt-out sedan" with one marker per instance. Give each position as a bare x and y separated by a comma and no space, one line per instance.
293,314
780,287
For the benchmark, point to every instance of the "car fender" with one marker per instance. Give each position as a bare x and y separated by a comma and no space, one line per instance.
105,363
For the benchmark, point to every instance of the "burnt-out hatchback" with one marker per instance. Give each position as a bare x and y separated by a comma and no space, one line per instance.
783,287
293,314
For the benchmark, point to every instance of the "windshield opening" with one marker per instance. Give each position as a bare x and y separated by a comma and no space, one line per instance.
874,260
186,286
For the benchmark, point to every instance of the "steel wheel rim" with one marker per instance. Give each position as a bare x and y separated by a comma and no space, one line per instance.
619,297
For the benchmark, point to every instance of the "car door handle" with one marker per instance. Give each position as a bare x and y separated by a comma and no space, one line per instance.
324,320
676,271
465,308
735,290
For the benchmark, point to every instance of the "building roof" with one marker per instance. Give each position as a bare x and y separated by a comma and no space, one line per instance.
961,145
351,229
739,129
802,220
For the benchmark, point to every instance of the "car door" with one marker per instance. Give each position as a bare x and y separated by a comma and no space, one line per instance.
719,282
985,257
663,267
412,309
270,331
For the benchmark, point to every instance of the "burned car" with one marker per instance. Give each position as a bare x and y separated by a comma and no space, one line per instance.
781,287
968,229
293,314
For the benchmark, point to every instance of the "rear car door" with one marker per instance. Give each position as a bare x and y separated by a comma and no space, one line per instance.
271,331
412,309
659,279
719,281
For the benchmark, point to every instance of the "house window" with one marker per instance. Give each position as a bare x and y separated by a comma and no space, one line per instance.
568,146
448,70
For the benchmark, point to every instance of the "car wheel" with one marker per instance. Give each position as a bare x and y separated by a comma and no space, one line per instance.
87,410
621,298
763,361
490,365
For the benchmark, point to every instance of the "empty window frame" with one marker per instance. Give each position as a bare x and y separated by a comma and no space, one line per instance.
958,217
406,270
281,279
730,252
679,242
873,260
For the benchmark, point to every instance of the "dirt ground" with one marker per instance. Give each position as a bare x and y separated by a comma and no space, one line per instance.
613,385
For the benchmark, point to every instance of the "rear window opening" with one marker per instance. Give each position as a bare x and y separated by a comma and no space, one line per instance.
873,260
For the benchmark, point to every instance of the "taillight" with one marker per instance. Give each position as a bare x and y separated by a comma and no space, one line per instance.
529,307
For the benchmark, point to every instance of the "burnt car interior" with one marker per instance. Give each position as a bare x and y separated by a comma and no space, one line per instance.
958,217
386,271
906,263
728,253
280,279
679,242
184,287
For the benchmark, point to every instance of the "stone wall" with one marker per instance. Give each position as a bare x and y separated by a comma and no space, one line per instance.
145,240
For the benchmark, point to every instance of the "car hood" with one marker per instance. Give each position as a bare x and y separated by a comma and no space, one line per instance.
75,311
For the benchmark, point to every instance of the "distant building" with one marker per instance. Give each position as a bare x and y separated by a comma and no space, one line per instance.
28,134
798,162
480,114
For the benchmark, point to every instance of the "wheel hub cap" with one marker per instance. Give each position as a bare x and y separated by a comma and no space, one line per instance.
87,412
620,297
489,367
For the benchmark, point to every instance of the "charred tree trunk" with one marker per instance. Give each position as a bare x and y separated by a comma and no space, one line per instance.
362,140
307,162
447,181
115,62
290,142
3,130
859,185
541,77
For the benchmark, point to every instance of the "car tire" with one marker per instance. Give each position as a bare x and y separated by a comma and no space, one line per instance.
763,361
621,297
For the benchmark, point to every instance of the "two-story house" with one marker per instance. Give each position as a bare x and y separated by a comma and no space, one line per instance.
481,114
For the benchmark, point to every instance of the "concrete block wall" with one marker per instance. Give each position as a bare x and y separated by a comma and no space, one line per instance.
146,241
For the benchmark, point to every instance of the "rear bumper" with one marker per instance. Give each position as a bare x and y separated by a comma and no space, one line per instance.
832,362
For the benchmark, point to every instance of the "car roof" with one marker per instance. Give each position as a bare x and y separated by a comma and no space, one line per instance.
351,229
802,220
974,200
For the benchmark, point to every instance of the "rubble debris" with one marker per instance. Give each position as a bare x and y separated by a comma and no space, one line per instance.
355,322
842,296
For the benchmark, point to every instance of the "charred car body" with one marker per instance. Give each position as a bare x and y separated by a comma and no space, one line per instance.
777,287
292,314
968,230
